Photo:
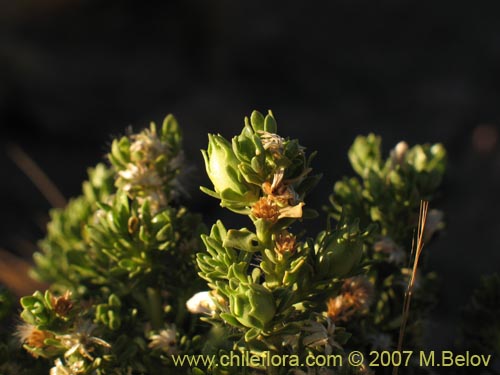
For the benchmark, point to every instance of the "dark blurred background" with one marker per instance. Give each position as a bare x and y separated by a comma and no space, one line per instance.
73,73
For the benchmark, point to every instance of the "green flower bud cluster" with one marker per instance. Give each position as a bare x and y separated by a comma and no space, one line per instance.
390,190
126,253
148,164
388,193
12,360
259,163
130,239
55,328
123,259
265,282
339,252
66,233
39,311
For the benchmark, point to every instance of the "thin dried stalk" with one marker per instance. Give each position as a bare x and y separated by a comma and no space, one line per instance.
422,219
14,274
37,176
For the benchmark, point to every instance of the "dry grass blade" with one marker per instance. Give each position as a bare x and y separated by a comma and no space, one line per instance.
37,176
422,219
14,274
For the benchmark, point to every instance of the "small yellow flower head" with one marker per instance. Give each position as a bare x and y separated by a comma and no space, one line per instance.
275,207
339,308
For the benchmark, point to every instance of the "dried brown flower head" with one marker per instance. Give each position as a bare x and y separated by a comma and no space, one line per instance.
285,243
62,305
355,297
272,142
30,335
266,209
279,191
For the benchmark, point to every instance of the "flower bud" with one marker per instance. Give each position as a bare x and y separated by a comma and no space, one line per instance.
222,165
341,252
399,152
345,255
253,305
222,168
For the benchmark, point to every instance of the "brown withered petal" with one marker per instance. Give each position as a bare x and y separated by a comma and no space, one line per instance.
267,188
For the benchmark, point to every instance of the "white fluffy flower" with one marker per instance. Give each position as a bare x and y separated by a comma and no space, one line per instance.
399,152
165,340
201,303
60,369
81,341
